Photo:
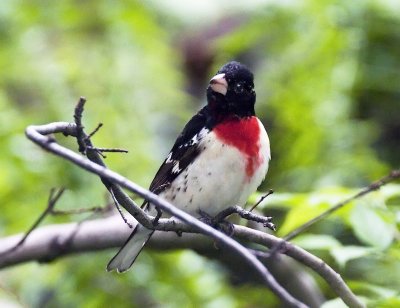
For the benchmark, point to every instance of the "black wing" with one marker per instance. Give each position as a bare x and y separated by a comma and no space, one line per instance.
184,151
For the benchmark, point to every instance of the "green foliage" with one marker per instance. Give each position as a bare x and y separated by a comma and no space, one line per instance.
359,239
306,82
327,78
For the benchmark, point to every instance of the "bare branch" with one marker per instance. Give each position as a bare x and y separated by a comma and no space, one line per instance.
77,241
38,134
51,242
324,270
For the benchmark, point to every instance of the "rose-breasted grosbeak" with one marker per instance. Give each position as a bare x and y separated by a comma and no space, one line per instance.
218,160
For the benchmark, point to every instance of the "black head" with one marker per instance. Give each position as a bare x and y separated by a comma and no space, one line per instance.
231,91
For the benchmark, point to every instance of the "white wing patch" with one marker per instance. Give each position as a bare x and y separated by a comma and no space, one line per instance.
176,168
169,159
195,139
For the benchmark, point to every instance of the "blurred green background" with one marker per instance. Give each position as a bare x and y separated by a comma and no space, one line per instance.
327,77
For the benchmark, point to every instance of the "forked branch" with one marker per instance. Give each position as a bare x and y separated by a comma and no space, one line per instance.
39,135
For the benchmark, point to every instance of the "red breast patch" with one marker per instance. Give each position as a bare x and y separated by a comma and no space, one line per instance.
243,134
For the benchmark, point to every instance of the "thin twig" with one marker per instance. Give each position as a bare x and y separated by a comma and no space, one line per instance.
270,192
100,151
109,150
100,125
370,188
93,154
120,210
54,196
394,174
94,209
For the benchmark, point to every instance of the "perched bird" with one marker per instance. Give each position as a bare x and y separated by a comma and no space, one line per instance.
218,160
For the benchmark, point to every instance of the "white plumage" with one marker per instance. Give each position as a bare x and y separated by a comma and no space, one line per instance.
214,182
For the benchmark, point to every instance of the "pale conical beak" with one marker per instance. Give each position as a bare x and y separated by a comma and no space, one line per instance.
219,84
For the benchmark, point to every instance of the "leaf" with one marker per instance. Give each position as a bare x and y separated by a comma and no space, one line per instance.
334,303
370,227
316,241
298,216
346,253
393,302
391,193
371,290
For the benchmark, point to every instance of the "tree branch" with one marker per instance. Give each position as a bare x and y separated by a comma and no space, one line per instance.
38,134
319,266
48,243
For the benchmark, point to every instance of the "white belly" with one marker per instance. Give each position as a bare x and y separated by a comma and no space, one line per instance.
218,180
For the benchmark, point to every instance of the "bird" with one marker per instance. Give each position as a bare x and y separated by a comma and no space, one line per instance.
220,157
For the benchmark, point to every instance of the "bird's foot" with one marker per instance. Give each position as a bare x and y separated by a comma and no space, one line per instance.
157,217
219,224
265,220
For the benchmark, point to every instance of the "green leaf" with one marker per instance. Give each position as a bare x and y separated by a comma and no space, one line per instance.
334,303
370,227
393,302
302,213
371,290
391,193
346,253
316,241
